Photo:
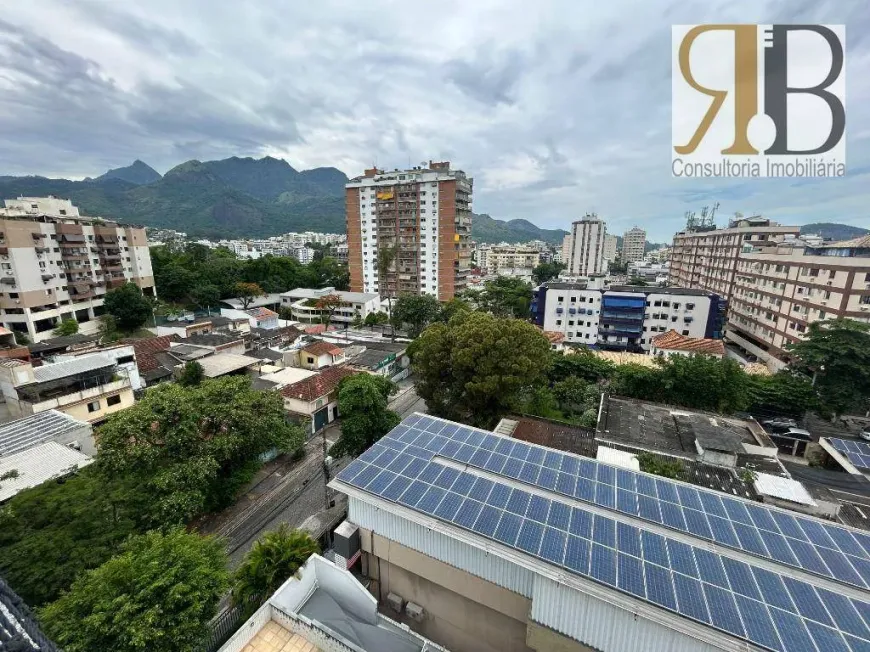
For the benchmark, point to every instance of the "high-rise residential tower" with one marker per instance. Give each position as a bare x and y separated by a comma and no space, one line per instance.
633,245
583,247
420,221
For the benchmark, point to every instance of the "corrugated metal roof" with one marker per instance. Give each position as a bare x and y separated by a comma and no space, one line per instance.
224,363
38,464
617,457
80,365
783,488
22,434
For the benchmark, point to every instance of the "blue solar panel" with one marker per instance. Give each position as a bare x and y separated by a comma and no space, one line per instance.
769,609
857,451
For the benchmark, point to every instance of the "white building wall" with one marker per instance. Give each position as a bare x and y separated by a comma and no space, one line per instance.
674,314
583,248
584,329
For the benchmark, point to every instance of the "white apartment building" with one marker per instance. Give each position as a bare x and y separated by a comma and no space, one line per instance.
626,317
780,290
583,247
303,254
611,245
633,244
707,259
56,264
303,303
423,215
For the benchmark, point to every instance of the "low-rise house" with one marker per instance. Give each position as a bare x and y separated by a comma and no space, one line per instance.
257,317
387,359
46,349
316,397
88,387
219,342
185,329
152,358
10,348
303,303
36,429
271,301
31,467
323,608
227,364
672,343
318,355
124,356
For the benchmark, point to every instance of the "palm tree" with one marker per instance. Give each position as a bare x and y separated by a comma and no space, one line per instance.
275,556
386,263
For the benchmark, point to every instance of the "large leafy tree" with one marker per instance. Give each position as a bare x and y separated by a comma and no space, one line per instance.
365,416
583,364
158,594
275,557
837,354
185,444
51,533
506,296
546,271
418,311
328,304
476,367
784,393
128,306
247,292
704,382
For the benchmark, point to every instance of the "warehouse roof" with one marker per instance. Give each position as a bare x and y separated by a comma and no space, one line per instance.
745,571
80,365
35,465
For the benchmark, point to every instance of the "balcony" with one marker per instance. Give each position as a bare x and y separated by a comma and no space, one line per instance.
631,318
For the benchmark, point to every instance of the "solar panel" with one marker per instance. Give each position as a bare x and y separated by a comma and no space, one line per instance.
771,610
857,452
824,549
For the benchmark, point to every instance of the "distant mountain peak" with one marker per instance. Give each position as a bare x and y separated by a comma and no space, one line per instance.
137,172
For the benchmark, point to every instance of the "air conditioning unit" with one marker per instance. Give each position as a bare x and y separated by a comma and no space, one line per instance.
414,611
395,601
9,272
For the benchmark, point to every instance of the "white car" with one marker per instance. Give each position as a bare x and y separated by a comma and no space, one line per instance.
864,434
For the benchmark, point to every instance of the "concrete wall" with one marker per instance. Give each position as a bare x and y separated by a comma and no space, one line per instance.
463,613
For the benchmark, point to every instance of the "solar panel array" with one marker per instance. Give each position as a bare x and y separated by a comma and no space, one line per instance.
857,452
772,610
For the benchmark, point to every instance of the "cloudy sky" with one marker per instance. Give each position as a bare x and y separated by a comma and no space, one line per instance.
555,108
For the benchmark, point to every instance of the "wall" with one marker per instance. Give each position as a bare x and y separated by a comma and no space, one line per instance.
79,409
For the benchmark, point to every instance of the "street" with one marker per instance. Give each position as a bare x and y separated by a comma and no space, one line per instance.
299,493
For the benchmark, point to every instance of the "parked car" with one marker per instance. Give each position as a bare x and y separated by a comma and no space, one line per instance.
865,434
779,424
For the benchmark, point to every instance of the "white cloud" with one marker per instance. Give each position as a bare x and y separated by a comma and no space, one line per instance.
557,108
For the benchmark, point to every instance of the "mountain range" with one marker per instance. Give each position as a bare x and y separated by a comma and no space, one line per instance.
831,231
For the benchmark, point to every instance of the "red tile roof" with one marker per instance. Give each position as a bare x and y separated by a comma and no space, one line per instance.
314,387
261,313
554,337
315,329
321,348
673,341
145,350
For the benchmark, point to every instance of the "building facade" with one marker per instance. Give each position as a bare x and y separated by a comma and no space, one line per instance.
583,247
780,290
626,318
633,245
56,264
707,259
421,220
611,248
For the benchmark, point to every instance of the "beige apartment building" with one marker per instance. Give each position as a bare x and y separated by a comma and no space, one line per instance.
496,259
780,290
423,217
707,259
57,264
633,245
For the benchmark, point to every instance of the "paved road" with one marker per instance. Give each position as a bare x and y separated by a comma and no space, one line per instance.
301,492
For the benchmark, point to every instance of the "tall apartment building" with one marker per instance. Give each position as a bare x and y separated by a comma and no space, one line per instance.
423,215
633,245
508,259
626,318
707,259
583,247
611,248
780,290
56,264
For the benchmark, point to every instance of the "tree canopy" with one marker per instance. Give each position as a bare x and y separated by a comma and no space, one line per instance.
274,557
506,296
837,354
192,374
546,271
128,306
185,444
159,594
365,415
475,367
416,310
67,327
247,292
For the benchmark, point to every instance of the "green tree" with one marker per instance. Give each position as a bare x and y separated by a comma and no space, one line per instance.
505,296
386,265
184,444
329,303
108,328
191,375
247,292
175,281
577,398
583,364
205,295
475,368
128,306
658,465
455,306
546,271
636,381
637,281
159,594
51,533
837,354
68,326
363,403
274,557
376,319
703,382
416,310
286,313
783,393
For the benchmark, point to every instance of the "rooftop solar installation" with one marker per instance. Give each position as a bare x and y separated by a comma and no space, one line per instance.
857,452
612,526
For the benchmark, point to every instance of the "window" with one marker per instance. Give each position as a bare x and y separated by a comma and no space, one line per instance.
113,400
685,332
127,359
571,322
657,304
814,271
6,266
821,314
690,306
673,318
666,304
573,299
94,407
560,299
676,305
310,360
